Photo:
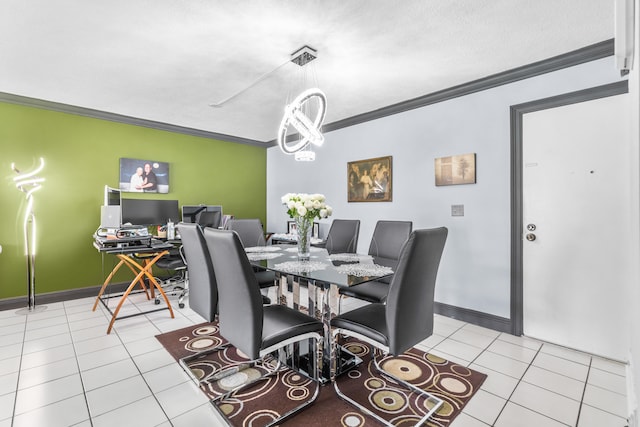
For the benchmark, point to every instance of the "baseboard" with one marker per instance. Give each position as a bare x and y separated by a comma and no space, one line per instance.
59,296
466,315
479,318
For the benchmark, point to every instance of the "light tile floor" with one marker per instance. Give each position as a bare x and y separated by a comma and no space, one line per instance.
60,368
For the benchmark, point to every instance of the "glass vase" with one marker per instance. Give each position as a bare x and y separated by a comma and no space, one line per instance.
303,228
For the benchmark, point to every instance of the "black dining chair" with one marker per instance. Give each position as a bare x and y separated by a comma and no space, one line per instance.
386,244
342,237
203,287
407,317
251,234
245,323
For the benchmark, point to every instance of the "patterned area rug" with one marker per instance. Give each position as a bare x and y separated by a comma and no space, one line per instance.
280,392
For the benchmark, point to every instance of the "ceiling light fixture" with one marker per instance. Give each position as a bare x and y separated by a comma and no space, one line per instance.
305,113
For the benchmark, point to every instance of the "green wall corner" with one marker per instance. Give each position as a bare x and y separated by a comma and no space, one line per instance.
82,155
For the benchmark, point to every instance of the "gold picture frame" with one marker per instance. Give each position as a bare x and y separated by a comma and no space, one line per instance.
370,180
455,170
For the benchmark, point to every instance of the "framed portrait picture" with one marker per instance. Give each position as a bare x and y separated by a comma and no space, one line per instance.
315,230
454,170
369,180
144,176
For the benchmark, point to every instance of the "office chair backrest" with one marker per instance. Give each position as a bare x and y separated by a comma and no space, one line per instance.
240,310
203,289
388,238
249,231
210,219
409,307
343,236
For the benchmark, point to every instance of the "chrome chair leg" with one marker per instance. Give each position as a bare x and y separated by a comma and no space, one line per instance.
437,402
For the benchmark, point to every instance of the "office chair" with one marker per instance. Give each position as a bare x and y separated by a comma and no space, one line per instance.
386,244
179,285
407,317
245,323
209,219
342,237
251,234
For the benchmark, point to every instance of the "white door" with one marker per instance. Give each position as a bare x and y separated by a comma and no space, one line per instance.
576,194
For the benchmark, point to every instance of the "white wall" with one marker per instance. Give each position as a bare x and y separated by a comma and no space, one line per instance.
475,269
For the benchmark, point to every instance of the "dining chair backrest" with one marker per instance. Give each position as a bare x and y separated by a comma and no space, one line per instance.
388,238
203,289
343,236
409,306
240,314
249,231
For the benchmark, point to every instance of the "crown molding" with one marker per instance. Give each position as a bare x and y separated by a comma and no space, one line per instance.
119,118
569,59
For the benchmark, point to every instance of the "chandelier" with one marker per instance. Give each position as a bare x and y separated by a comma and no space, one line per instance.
305,113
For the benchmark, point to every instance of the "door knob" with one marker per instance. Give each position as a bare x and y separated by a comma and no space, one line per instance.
530,237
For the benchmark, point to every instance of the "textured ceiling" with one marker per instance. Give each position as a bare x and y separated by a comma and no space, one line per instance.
167,60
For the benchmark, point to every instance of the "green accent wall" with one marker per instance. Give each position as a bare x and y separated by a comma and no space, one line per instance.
82,155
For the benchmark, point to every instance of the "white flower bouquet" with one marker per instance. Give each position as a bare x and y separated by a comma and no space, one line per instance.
304,208
308,206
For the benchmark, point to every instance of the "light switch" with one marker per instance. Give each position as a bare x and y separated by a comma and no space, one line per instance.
457,210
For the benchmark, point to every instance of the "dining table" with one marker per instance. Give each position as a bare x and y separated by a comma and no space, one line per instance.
323,275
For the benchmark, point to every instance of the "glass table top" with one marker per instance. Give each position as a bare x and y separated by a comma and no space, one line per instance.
343,270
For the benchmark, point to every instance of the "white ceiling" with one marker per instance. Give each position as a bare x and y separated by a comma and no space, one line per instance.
167,60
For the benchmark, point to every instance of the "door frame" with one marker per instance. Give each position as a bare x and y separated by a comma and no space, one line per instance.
516,117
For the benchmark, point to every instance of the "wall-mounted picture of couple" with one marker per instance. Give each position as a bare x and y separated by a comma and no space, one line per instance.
144,176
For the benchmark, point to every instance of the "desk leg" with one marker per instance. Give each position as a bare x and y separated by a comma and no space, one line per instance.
146,264
134,271
123,298
143,271
147,270
106,282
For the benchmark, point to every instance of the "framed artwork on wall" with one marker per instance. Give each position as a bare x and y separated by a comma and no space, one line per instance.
454,170
370,180
144,176
315,230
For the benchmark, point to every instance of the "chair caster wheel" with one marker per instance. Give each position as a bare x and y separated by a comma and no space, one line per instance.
181,305
157,301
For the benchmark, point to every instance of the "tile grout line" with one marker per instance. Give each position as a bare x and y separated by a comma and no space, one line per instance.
584,391
15,399
517,384
75,353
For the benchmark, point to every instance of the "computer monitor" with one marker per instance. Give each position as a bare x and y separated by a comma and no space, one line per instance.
205,215
149,212
111,196
110,212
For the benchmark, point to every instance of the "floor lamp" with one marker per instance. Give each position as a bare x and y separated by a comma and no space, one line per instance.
29,183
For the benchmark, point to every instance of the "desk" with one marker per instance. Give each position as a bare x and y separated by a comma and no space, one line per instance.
140,270
324,274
